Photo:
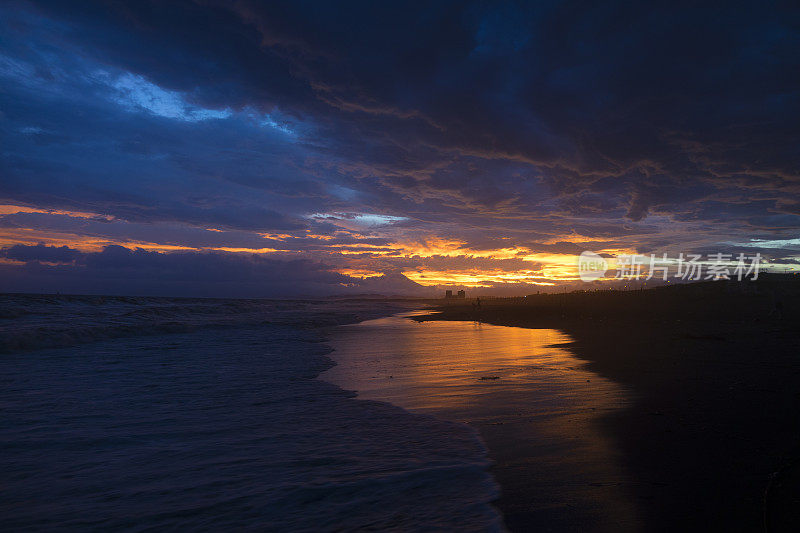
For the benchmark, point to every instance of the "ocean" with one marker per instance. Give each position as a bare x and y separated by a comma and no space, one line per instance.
196,414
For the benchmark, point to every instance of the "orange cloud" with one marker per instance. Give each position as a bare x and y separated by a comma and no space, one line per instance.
357,259
476,279
32,237
7,209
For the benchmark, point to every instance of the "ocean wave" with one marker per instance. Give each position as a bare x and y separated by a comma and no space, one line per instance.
225,430
29,322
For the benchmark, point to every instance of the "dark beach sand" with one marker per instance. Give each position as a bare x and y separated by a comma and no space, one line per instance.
711,441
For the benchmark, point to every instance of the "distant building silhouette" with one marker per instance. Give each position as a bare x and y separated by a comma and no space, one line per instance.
448,295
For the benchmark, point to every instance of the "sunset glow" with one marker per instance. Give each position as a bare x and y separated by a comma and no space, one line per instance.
257,153
470,266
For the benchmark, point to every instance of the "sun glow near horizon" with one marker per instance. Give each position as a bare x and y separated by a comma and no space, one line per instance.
425,259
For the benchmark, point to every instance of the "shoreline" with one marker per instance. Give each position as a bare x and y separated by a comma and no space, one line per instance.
516,391
716,379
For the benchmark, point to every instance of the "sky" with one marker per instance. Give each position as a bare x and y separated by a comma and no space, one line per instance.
277,149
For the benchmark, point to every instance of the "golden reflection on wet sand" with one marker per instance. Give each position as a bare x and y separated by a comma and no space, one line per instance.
533,404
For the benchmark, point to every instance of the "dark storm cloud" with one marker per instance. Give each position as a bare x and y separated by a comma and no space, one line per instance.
41,253
639,103
119,270
475,121
143,167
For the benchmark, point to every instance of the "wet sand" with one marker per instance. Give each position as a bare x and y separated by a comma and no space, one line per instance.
711,440
533,403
